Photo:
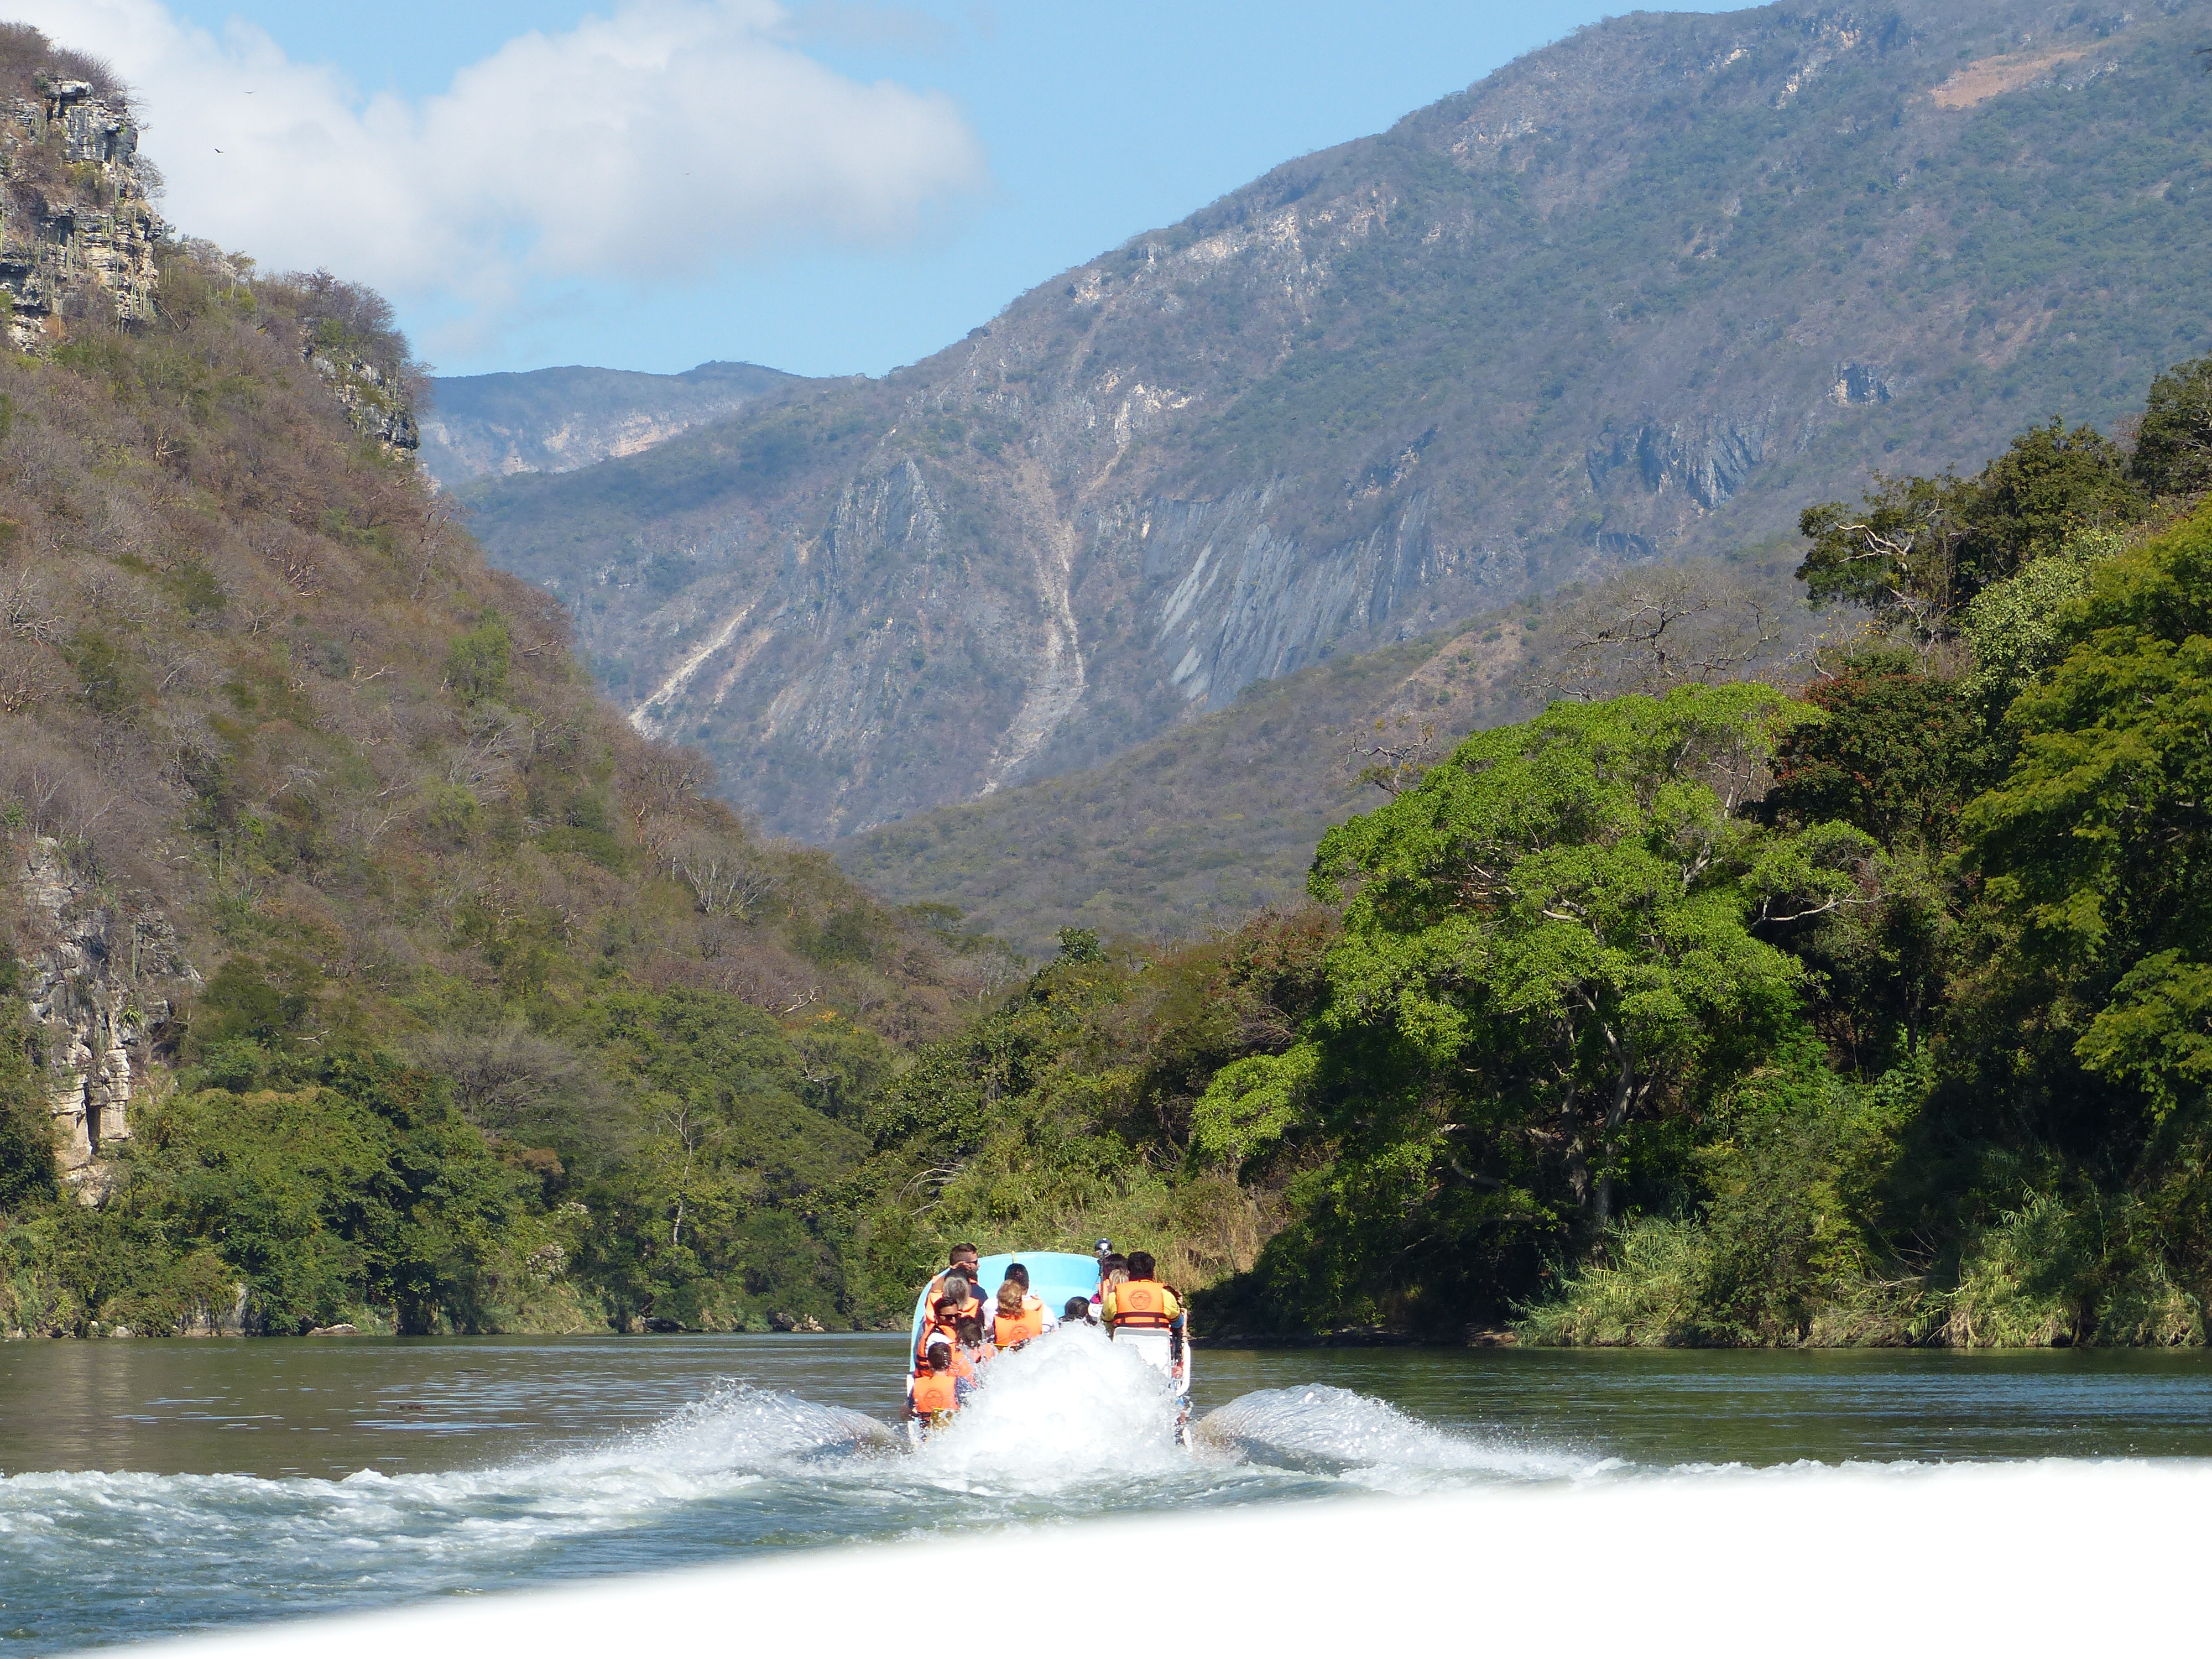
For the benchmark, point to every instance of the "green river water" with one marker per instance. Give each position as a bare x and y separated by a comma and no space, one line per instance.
176,1485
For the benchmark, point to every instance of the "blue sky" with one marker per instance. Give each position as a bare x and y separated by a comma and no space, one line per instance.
1060,131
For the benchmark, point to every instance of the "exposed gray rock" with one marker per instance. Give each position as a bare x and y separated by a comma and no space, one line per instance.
102,978
1861,383
375,404
61,260
1706,457
236,1320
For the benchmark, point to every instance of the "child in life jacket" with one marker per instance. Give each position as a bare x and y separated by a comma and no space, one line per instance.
935,1394
971,1352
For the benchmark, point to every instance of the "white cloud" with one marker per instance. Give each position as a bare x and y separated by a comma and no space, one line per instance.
657,144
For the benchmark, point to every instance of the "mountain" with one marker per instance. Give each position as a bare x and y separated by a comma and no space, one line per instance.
1200,827
357,963
1641,294
555,420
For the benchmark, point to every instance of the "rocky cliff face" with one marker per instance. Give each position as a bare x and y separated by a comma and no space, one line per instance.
102,980
1645,294
76,232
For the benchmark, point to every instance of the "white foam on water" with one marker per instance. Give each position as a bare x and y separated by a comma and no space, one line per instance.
735,1439
1322,1429
2031,1558
1072,1429
1070,1409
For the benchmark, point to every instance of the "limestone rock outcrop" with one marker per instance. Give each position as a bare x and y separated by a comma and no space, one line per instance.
76,232
374,401
101,978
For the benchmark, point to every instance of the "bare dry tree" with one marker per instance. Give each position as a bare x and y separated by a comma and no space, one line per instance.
1394,754
725,876
1650,629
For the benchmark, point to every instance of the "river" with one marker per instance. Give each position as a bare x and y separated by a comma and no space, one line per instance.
156,1487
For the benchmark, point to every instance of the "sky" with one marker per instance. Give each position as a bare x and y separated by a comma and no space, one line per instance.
827,186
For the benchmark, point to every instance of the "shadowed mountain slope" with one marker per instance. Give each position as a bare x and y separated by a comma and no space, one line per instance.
1199,827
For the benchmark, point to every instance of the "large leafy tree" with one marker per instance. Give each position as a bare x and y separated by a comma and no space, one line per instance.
2097,848
1900,754
1916,549
2174,449
1551,952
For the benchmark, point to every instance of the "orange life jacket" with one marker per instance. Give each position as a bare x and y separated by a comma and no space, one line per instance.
1142,1305
1031,1322
933,1392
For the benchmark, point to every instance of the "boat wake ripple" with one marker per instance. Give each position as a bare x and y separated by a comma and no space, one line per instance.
1068,1428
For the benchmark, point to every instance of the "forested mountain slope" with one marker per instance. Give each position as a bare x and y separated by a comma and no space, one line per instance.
1640,294
555,420
357,963
1873,1014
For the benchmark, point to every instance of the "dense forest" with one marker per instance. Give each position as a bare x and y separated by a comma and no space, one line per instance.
447,1002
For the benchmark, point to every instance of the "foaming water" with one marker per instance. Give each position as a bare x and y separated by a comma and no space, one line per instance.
1071,1427
1325,1430
1066,1412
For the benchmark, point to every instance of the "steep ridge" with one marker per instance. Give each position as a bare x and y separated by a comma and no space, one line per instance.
357,964
555,420
1640,294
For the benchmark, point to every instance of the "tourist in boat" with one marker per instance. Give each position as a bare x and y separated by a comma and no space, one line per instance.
1077,1312
1113,1268
1020,1317
960,1260
971,1352
936,1393
1139,1301
1023,1320
958,1302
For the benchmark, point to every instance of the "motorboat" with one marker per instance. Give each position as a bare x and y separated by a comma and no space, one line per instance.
1055,1276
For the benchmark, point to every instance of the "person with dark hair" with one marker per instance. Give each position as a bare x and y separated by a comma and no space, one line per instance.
1147,1311
935,1394
957,1303
971,1352
1021,1318
1077,1312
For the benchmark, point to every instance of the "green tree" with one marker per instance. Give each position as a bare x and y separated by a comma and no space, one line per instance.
1895,554
1563,921
2174,450
2095,847
2016,628
1916,549
476,665
1900,754
2048,486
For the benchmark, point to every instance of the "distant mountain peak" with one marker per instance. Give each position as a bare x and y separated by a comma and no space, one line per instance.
555,420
